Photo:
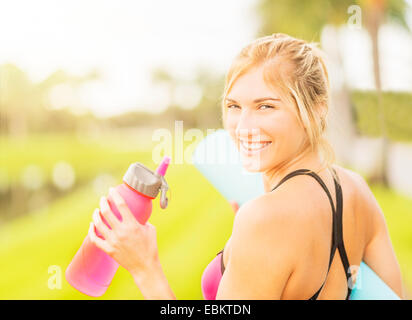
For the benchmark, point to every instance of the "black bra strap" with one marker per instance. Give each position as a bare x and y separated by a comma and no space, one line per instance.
314,175
290,175
337,225
332,254
337,238
340,243
335,232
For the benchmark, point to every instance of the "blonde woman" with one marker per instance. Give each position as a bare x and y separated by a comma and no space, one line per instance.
316,221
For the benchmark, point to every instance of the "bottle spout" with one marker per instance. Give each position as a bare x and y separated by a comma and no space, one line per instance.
161,169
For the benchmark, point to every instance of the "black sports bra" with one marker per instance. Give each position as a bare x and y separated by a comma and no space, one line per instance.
337,232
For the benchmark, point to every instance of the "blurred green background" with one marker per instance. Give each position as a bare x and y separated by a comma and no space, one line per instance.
56,162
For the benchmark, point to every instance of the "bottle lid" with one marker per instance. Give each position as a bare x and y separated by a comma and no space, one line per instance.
147,182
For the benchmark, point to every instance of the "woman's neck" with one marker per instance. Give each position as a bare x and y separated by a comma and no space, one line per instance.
306,160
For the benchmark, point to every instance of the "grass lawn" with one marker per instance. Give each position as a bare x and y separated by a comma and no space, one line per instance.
190,231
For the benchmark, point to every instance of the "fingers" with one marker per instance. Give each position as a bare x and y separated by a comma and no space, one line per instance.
101,244
100,225
107,213
121,205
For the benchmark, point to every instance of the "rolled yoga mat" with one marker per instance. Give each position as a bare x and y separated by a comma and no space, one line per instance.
217,158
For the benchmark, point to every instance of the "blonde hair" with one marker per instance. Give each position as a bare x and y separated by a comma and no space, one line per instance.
298,70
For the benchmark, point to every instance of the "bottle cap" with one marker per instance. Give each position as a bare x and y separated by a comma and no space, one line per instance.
147,182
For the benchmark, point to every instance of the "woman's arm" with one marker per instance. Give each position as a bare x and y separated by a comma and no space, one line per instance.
379,254
154,284
380,257
252,273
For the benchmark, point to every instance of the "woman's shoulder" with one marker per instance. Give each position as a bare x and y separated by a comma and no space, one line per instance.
356,188
265,225
348,176
365,202
296,202
365,212
280,211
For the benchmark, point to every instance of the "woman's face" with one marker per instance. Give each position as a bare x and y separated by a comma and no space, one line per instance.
263,126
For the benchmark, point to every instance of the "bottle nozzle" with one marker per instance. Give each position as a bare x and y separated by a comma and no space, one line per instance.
161,169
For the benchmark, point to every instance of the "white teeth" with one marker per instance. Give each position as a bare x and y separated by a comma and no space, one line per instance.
254,146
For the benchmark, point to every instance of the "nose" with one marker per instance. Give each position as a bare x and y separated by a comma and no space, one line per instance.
246,127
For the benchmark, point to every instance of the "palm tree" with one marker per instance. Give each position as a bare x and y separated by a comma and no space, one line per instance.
376,12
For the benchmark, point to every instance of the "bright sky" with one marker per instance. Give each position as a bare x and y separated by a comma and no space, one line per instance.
126,39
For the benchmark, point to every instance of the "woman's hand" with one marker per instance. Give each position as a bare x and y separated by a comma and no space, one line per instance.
130,243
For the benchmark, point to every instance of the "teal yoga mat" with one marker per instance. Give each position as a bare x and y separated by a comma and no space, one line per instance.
217,158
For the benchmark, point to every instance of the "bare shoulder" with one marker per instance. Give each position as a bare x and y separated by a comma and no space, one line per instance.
261,227
353,178
293,206
365,203
378,253
273,207
354,183
261,253
275,214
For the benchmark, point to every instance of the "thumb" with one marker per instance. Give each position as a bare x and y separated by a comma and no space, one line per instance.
234,206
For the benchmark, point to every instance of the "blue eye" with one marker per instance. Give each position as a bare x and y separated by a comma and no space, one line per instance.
234,106
265,105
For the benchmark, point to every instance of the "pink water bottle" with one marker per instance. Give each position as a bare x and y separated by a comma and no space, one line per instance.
92,270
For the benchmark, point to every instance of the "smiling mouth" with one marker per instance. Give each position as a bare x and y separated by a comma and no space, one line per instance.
253,147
